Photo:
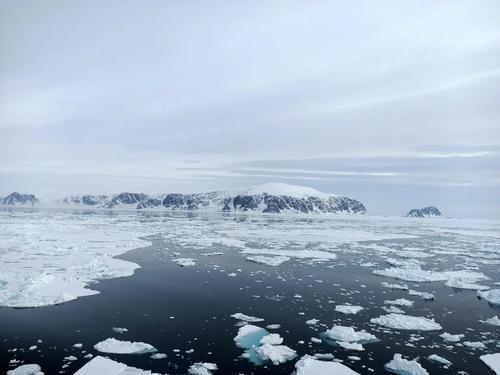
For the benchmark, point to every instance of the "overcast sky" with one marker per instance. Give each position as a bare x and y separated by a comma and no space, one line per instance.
396,103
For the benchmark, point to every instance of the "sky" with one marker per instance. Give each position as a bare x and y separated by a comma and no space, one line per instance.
394,103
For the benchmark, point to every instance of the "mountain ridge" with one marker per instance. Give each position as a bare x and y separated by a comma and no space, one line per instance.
266,198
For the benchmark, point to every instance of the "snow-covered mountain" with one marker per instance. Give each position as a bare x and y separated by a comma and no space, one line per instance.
18,199
267,198
430,211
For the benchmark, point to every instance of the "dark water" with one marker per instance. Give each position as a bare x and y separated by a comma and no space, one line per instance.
201,299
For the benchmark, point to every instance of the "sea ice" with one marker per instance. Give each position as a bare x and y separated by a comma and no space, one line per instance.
348,334
492,361
474,344
309,365
399,302
270,261
184,262
246,318
448,337
423,295
115,346
30,369
492,296
316,254
202,368
401,366
348,309
105,366
351,345
53,257
439,359
493,321
406,322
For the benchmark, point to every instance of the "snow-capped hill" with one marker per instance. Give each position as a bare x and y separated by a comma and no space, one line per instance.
267,198
275,188
430,211
127,199
17,199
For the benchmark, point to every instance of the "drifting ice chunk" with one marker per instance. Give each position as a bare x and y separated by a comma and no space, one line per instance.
400,302
348,334
31,369
312,322
270,261
249,335
492,296
120,330
302,254
276,353
474,344
401,366
448,337
465,284
100,365
424,295
394,286
438,359
308,365
493,321
408,322
115,346
246,318
248,338
184,262
202,368
351,346
348,309
492,361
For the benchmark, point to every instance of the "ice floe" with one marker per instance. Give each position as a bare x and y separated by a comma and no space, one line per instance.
315,254
438,359
351,346
402,366
492,361
406,322
246,318
348,334
448,337
184,262
455,279
399,302
202,368
270,261
112,345
424,295
492,296
105,366
474,344
261,346
348,309
494,321
29,369
309,365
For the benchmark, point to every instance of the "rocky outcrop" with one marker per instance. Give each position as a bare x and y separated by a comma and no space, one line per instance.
127,199
16,199
430,211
